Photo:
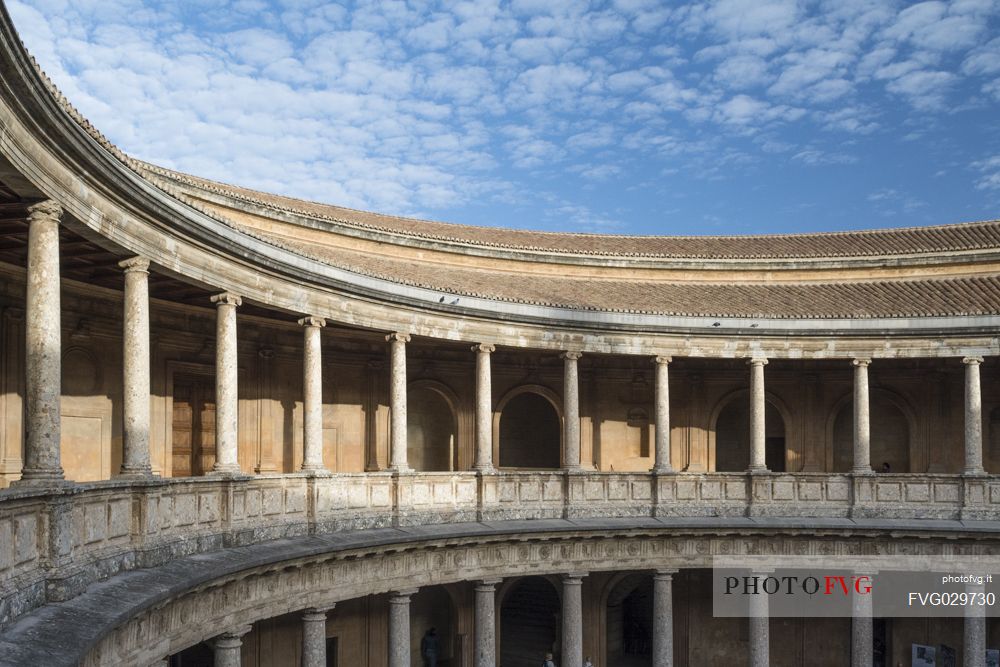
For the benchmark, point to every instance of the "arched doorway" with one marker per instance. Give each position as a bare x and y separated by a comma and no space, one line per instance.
530,432
431,430
890,435
629,622
432,608
732,436
529,623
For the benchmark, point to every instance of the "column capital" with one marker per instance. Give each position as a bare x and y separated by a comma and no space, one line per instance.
312,321
662,359
400,336
972,360
402,595
484,348
571,355
861,361
135,265
574,578
46,209
227,299
665,572
757,361
235,633
314,615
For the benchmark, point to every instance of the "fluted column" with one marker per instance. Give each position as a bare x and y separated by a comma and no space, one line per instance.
973,417
397,401
135,369
226,391
760,624
314,637
43,347
484,408
663,618
974,649
862,419
399,628
227,648
485,630
312,384
862,635
572,620
758,460
571,411
661,461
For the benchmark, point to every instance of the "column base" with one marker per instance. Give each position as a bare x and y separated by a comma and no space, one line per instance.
400,470
226,470
862,471
976,472
41,478
758,470
314,469
140,473
665,470
485,470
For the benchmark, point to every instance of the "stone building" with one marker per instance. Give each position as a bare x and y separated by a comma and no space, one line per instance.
250,429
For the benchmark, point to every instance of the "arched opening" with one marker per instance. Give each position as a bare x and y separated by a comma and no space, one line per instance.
530,432
629,622
430,431
199,655
529,623
890,436
732,437
431,609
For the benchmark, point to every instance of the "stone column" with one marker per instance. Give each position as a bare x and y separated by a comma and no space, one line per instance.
862,648
661,460
484,408
226,390
43,348
663,618
758,460
135,369
227,648
973,418
571,411
312,385
572,620
862,419
485,630
760,624
397,402
314,637
399,628
974,650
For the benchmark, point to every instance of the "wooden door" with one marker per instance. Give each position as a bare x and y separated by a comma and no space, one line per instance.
193,425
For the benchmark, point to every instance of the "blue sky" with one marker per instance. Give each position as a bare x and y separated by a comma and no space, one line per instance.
627,116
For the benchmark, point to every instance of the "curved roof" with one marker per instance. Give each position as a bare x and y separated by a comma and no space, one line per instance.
865,243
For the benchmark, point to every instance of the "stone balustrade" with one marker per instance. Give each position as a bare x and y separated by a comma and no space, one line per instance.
56,541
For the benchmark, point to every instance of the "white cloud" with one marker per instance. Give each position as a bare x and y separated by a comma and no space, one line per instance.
989,170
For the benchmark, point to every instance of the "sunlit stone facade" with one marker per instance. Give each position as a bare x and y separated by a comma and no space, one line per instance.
240,428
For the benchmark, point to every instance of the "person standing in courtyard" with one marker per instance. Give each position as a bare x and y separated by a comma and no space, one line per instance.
548,661
429,648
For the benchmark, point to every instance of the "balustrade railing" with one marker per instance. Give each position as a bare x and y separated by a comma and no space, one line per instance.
54,542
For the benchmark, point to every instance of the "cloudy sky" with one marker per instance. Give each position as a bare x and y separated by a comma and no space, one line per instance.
619,116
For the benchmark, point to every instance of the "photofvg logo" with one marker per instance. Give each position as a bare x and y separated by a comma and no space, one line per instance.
848,586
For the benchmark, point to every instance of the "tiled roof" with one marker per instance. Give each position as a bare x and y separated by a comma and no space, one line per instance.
896,298
866,243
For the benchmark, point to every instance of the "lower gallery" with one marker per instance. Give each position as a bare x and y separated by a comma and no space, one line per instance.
242,429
